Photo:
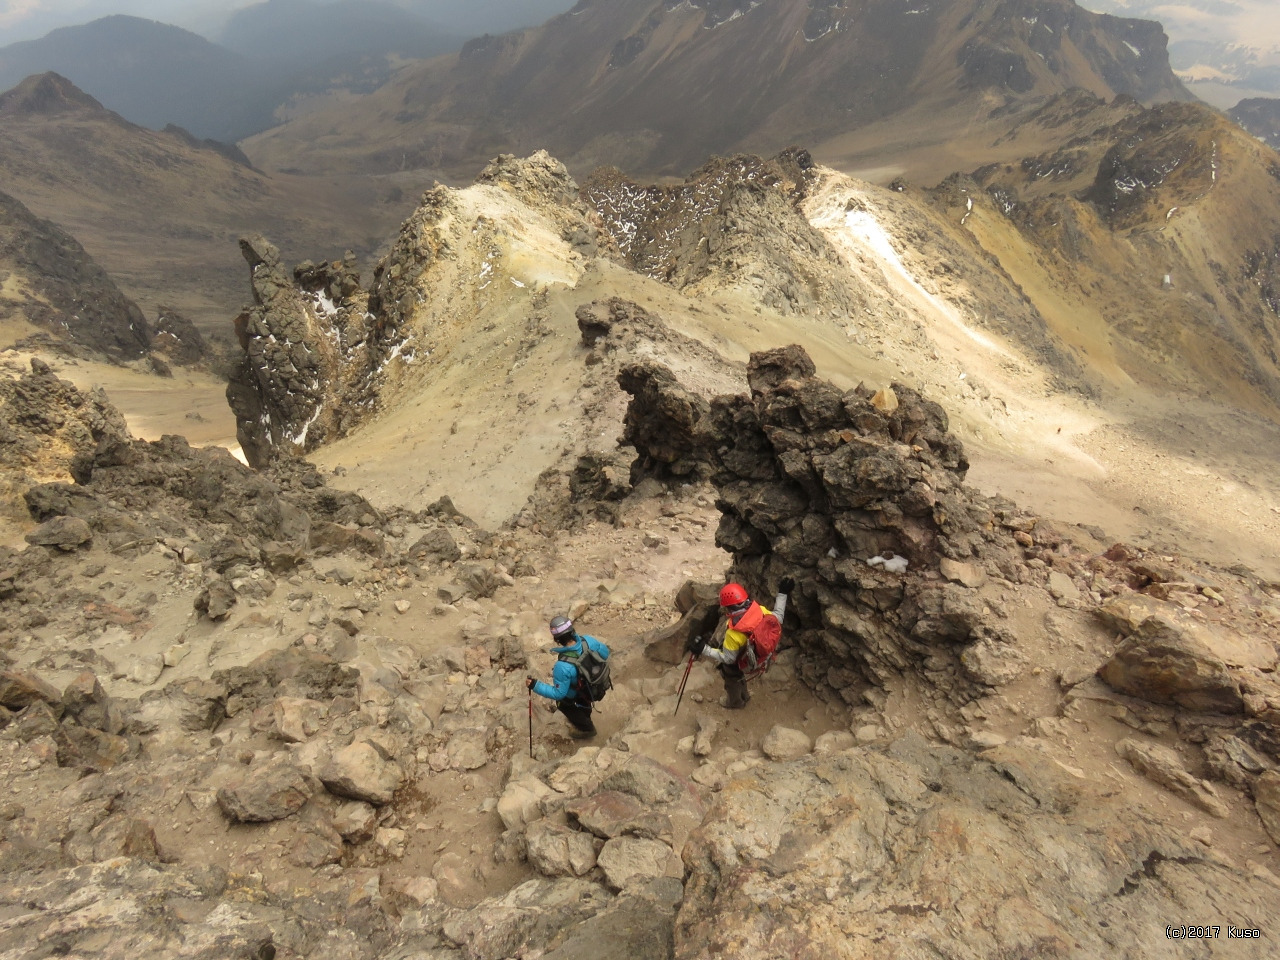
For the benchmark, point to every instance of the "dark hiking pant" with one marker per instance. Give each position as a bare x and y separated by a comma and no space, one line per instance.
578,714
735,686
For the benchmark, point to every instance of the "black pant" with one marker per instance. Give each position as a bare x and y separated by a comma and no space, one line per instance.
578,713
735,686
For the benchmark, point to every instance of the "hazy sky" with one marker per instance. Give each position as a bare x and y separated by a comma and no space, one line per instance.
29,19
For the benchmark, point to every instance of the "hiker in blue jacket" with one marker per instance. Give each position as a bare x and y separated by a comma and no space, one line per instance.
572,698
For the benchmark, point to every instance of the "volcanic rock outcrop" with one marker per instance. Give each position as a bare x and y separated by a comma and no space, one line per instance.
177,339
321,351
46,427
843,492
733,222
307,345
53,283
860,498
918,850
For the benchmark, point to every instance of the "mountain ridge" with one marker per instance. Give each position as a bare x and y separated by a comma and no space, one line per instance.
649,86
126,194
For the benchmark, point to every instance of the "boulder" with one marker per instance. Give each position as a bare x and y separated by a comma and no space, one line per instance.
91,749
1062,587
19,689
631,861
611,813
522,801
557,851
356,821
436,544
315,844
466,749
269,793
993,664
525,920
834,741
361,772
64,533
122,835
1163,663
296,718
216,600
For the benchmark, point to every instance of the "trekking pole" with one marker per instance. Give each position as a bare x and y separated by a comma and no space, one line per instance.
683,681
530,723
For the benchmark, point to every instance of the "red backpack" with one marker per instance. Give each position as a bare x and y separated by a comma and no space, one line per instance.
763,631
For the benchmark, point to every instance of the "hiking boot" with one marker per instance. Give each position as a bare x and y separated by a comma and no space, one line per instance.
724,702
577,734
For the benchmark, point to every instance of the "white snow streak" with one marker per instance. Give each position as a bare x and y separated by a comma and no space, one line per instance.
867,231
300,438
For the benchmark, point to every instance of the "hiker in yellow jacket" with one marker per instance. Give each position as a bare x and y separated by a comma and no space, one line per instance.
750,638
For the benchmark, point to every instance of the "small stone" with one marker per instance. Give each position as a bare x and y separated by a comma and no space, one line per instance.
834,741
885,400
1062,587
784,743
147,670
402,606
868,733
986,739
176,654
965,574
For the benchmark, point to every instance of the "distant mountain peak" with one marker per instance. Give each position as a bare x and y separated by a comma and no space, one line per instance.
49,94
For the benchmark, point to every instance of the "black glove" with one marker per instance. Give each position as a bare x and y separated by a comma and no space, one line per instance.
786,586
529,682
695,645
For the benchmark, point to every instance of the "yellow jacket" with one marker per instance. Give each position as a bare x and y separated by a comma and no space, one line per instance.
734,642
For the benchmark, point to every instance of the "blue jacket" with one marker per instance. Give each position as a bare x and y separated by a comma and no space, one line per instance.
564,677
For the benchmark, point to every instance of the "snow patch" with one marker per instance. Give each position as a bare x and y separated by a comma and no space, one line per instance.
894,564
866,230
300,438
1135,50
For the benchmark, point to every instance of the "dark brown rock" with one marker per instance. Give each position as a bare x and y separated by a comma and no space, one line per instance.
19,689
1160,662
268,793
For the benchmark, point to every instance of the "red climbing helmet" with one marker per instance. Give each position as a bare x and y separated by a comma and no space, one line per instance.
732,594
